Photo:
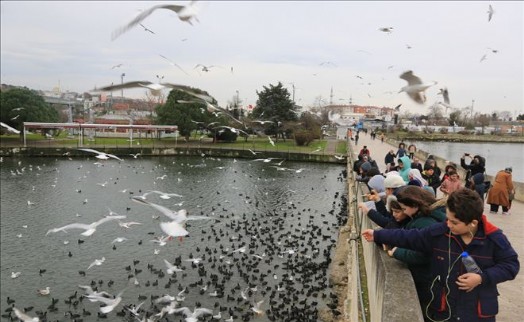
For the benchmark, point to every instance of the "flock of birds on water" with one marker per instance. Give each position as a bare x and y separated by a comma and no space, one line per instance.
269,265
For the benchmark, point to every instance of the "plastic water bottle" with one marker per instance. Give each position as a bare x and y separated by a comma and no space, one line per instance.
469,263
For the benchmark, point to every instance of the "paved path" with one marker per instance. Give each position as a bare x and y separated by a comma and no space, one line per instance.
511,297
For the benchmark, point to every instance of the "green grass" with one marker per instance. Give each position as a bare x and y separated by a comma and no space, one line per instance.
253,143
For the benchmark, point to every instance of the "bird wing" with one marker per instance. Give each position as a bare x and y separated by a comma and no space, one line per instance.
143,15
201,311
410,78
114,156
445,94
168,212
23,317
184,310
70,226
106,219
169,265
91,150
124,85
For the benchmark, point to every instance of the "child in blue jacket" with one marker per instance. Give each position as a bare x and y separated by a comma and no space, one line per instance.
456,294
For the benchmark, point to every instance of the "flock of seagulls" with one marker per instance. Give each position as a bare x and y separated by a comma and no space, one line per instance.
231,265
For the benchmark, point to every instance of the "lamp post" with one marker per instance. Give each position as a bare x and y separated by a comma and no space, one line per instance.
122,82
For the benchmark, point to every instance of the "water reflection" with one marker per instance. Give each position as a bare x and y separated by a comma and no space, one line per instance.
287,221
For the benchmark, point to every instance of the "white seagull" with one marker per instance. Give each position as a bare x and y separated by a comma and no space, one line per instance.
193,316
185,13
256,308
110,303
172,268
415,88
101,155
445,94
97,262
89,228
490,13
24,317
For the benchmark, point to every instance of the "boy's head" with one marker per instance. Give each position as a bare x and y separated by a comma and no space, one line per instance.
466,205
429,169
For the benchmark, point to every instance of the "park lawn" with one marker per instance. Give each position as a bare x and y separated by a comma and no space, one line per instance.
252,143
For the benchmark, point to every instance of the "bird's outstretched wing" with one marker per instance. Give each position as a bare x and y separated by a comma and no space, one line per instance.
166,211
410,78
124,85
143,15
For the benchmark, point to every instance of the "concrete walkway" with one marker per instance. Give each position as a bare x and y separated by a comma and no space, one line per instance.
511,292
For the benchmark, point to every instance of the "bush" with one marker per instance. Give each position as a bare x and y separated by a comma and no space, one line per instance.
443,130
303,138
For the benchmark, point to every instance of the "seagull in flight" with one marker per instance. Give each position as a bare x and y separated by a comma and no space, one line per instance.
97,262
490,13
24,317
386,29
415,88
101,155
193,316
271,141
171,268
117,66
175,227
185,13
445,94
89,228
173,64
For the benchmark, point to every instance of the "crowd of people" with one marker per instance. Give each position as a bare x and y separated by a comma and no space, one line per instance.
429,234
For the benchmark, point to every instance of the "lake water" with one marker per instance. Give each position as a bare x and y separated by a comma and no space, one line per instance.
286,220
498,155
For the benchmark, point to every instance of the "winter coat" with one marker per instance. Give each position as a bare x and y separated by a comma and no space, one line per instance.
389,158
489,248
404,173
401,152
499,193
473,168
433,180
477,184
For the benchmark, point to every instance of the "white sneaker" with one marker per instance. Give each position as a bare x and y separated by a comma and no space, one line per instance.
492,212
505,213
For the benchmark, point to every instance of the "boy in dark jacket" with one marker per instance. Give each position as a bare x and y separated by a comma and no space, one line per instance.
458,294
431,177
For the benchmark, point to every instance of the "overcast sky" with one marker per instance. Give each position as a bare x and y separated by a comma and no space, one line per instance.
314,45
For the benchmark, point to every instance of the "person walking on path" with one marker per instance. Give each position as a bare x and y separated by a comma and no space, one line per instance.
499,194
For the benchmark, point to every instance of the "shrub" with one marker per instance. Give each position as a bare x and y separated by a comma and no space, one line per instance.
303,138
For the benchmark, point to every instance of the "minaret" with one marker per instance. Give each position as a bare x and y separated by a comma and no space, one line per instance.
331,96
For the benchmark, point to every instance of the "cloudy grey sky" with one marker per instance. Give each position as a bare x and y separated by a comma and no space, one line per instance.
44,43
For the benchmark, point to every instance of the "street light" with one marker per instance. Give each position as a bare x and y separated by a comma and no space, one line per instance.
122,82
159,78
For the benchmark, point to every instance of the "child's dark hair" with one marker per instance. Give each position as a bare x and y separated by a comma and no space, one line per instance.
415,196
466,205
